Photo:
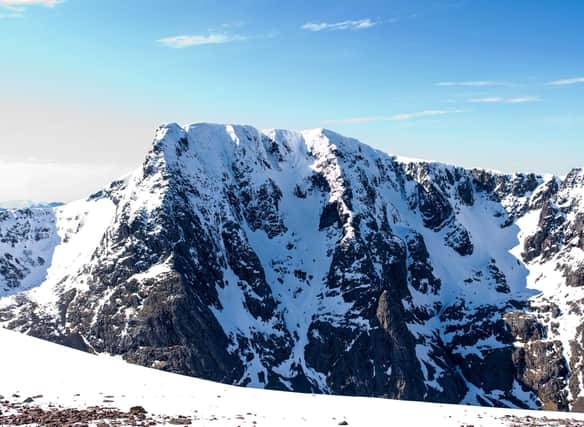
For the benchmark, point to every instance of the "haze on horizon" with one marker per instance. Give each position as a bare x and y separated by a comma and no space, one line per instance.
476,83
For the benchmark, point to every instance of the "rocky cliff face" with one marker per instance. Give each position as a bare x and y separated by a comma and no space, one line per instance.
311,262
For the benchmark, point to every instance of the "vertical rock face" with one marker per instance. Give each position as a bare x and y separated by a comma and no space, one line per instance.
27,238
308,261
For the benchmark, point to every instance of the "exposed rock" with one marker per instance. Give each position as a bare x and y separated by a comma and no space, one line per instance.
546,241
137,410
434,207
541,366
524,326
330,216
575,275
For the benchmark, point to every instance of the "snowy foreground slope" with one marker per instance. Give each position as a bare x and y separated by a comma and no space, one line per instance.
66,378
308,261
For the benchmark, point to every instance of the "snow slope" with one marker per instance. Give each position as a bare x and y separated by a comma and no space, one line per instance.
67,377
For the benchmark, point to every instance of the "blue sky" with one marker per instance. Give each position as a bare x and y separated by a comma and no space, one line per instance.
496,84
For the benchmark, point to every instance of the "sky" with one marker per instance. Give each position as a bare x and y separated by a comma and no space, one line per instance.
496,84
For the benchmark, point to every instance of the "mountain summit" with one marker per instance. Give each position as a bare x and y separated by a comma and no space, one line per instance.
308,261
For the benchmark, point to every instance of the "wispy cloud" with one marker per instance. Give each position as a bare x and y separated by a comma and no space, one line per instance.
394,118
566,82
425,113
179,42
19,5
503,100
16,8
233,24
360,24
477,83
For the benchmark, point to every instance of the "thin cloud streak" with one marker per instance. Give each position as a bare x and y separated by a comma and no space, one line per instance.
20,5
566,82
523,100
17,8
478,83
360,24
180,42
501,100
394,118
425,113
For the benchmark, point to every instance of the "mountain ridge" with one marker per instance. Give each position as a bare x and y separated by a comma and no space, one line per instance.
24,204
309,261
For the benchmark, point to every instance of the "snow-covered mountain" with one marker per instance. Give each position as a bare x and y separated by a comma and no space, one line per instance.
308,261
23,204
82,389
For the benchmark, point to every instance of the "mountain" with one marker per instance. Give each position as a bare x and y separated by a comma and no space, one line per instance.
23,204
308,261
80,388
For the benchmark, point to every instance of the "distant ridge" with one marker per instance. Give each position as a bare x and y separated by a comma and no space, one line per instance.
23,204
